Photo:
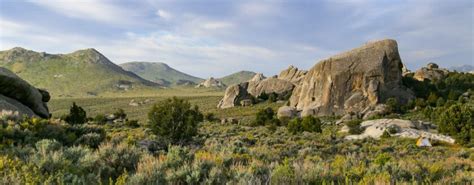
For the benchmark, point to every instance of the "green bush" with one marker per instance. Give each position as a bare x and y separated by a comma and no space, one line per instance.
100,119
120,114
266,117
210,117
458,121
175,120
393,105
76,115
132,123
308,124
354,127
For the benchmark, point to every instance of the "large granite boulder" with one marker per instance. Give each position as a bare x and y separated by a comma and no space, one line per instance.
286,112
18,95
234,94
292,74
211,82
253,89
431,72
268,86
352,81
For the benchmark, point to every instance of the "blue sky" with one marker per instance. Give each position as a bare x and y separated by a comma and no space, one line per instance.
217,37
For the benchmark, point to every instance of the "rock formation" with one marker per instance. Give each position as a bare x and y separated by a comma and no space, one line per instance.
211,82
400,128
257,78
430,72
234,95
292,74
254,88
19,96
352,81
269,85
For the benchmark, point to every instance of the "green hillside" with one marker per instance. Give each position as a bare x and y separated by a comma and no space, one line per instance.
238,77
81,73
159,72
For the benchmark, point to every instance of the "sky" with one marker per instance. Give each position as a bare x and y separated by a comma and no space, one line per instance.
219,37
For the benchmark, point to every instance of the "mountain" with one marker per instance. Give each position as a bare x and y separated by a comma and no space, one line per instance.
236,78
81,73
462,68
159,73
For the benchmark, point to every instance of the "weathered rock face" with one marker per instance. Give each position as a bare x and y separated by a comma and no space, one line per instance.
286,112
430,72
233,95
252,89
17,95
269,85
292,74
402,128
257,78
352,81
211,82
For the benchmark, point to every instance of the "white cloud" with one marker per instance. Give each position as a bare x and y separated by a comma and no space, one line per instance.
96,10
213,25
164,14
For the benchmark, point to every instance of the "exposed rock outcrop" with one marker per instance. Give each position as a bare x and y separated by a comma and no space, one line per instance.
430,72
352,81
211,82
286,112
253,89
18,95
399,127
292,74
233,95
270,85
257,78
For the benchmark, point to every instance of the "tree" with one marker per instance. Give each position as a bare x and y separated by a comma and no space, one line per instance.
175,120
458,121
77,115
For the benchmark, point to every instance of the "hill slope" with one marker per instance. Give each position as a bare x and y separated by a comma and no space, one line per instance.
81,73
158,72
238,77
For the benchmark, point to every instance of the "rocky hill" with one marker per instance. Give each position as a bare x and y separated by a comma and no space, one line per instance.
160,73
81,73
236,78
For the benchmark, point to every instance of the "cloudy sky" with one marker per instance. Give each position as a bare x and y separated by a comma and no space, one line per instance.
218,37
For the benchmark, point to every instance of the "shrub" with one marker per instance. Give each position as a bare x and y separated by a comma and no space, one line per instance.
458,121
100,119
283,174
393,106
175,120
77,115
308,124
265,117
210,117
354,127
120,114
132,123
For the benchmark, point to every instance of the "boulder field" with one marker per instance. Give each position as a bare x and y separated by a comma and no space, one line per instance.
17,95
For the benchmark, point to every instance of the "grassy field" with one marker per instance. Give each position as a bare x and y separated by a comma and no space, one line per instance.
205,99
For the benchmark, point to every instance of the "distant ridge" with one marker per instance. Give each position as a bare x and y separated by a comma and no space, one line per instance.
236,78
81,73
159,73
